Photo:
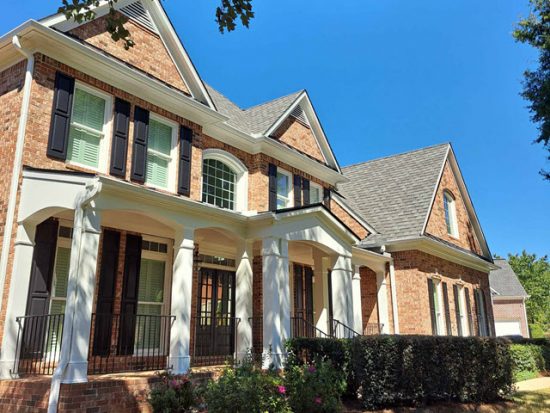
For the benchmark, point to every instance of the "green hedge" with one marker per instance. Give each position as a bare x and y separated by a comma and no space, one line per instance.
393,370
530,357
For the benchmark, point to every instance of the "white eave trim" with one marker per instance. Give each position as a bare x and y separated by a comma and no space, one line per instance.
509,297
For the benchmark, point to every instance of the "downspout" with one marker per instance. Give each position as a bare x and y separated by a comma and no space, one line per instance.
394,299
17,161
82,200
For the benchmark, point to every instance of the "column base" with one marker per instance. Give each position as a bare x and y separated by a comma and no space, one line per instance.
6,368
275,360
75,372
179,365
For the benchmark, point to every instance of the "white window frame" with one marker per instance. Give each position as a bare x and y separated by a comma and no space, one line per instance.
438,307
104,141
240,201
450,200
317,187
462,311
172,166
290,188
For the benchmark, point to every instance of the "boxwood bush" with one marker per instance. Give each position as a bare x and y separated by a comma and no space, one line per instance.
530,357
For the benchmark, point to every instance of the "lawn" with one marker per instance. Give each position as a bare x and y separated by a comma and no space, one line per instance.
532,401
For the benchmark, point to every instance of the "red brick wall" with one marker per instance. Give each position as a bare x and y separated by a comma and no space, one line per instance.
257,304
412,270
294,133
354,225
369,301
148,53
436,222
511,310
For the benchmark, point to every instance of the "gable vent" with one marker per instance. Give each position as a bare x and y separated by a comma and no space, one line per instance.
137,12
299,114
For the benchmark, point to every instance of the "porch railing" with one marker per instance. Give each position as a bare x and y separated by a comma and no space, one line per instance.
372,329
300,327
38,344
340,330
214,340
127,342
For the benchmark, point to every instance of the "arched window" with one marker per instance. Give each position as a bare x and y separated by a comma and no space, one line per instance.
450,214
224,180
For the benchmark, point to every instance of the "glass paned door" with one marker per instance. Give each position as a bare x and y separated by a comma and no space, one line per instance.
215,324
303,301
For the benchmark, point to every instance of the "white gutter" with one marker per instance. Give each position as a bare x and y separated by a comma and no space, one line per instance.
394,299
83,199
18,158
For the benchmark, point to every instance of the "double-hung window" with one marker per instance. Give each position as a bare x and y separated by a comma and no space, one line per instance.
87,132
450,214
461,306
284,189
160,145
438,306
218,184
315,194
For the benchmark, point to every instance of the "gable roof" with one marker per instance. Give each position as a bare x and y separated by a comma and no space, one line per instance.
394,193
151,15
504,281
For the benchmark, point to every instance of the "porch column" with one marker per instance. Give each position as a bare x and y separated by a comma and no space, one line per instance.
81,285
182,283
320,292
17,301
341,290
243,298
356,292
382,301
276,300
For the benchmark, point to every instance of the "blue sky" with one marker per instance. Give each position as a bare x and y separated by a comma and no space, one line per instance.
387,77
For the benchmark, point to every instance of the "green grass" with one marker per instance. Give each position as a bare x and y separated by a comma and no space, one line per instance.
532,401
525,375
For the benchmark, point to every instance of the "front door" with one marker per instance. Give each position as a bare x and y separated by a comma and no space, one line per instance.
215,322
303,301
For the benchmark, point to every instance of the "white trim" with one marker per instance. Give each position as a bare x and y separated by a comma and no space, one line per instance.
434,193
450,200
240,170
463,312
172,165
290,196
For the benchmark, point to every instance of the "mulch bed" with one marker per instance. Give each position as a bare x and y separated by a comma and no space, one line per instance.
355,407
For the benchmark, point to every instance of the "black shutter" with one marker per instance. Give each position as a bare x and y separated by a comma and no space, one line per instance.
457,310
106,293
272,173
326,197
297,191
478,312
469,311
61,116
139,148
305,190
184,173
119,147
308,285
128,309
447,310
432,306
489,330
38,298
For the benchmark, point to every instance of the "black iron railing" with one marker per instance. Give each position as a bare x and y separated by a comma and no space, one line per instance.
127,342
214,340
340,330
38,344
300,327
372,329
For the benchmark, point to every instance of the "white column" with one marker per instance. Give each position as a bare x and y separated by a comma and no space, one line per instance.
180,303
356,293
393,287
320,292
382,301
341,290
17,301
243,298
276,300
82,278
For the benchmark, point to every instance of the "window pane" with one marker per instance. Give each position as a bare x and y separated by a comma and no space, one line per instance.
282,184
157,170
148,329
160,137
151,281
88,110
83,147
61,272
314,195
218,184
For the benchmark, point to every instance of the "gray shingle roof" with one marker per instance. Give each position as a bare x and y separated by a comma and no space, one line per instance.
394,193
256,119
504,281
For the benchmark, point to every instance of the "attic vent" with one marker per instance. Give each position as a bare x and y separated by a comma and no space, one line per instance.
137,12
299,114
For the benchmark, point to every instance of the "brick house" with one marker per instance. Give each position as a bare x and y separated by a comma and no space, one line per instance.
509,298
149,222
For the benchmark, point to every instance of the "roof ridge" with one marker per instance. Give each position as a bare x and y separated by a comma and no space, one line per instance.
273,100
397,154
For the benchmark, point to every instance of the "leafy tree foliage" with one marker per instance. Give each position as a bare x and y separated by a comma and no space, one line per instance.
535,30
534,274
227,15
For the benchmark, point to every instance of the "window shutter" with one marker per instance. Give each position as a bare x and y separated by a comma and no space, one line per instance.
297,191
469,311
38,298
457,310
488,331
447,310
478,312
119,147
432,305
106,293
326,197
272,173
61,116
139,147
128,309
305,190
308,284
184,177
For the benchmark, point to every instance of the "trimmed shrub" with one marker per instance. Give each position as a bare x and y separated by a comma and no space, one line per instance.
302,351
174,394
315,388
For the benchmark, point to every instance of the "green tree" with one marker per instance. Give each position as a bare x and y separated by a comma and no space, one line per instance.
228,13
534,274
535,30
